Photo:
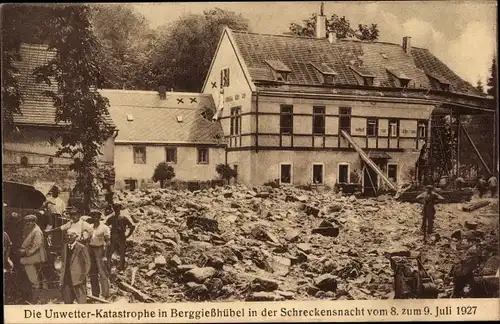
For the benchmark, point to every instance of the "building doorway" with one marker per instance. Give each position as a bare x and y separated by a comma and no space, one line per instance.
370,182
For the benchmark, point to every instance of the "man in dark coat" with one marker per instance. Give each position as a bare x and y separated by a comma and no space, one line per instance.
429,199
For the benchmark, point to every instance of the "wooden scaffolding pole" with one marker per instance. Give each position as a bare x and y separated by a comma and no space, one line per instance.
475,148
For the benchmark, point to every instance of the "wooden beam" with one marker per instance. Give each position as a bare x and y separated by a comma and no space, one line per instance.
475,148
368,161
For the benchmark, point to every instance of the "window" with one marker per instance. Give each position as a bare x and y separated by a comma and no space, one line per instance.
392,172
371,127
404,83
343,173
345,119
328,79
130,184
318,173
171,155
422,129
224,78
203,155
368,81
393,128
286,173
24,161
318,120
235,121
139,155
282,76
286,119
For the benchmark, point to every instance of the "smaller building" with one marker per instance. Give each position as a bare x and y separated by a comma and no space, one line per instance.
171,127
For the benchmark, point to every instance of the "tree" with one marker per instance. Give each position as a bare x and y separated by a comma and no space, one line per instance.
125,38
338,25
185,48
226,172
493,80
163,172
79,107
479,86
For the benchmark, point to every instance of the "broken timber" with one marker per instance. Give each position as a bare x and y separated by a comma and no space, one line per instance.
474,147
474,206
136,292
368,161
104,301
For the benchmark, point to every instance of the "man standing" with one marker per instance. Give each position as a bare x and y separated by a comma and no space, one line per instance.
32,251
75,266
493,185
481,186
77,224
98,245
119,225
429,199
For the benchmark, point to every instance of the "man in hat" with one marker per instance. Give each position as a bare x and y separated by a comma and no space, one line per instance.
429,199
55,204
98,246
119,225
32,251
76,224
75,266
481,186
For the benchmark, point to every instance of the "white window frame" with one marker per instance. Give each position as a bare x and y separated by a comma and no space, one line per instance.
418,129
291,173
145,154
375,130
323,173
175,154
394,133
397,171
348,171
222,85
198,160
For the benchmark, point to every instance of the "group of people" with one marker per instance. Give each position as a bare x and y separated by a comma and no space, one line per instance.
89,243
490,185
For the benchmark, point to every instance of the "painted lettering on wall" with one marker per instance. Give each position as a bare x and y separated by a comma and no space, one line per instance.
243,95
229,99
236,97
383,130
405,131
360,129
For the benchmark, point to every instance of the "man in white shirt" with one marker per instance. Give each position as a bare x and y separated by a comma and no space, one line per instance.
98,246
77,224
55,204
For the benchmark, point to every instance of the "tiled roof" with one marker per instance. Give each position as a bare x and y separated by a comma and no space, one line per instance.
346,58
36,108
155,120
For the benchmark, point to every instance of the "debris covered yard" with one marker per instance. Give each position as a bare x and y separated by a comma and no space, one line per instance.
285,243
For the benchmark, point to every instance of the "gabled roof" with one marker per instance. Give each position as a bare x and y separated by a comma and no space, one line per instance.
156,121
36,108
346,57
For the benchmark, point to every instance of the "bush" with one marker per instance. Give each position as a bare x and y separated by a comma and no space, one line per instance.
226,172
163,172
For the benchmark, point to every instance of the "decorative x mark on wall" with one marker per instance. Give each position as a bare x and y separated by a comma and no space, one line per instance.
214,84
180,100
193,100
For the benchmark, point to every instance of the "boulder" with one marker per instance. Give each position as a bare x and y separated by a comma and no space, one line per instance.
304,247
292,236
200,274
470,224
207,224
326,229
326,282
262,284
160,260
175,261
264,296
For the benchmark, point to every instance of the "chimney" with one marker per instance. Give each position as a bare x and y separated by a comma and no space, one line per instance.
332,37
321,23
162,91
407,45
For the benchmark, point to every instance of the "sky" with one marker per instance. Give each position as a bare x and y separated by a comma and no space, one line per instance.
460,33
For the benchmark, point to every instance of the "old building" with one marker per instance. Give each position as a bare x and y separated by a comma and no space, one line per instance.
29,151
172,127
284,102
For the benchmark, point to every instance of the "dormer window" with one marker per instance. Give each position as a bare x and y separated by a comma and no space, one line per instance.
439,82
363,75
400,79
325,71
280,70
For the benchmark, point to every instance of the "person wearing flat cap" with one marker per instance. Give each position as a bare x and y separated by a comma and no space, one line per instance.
77,224
75,266
32,252
119,225
98,246
429,199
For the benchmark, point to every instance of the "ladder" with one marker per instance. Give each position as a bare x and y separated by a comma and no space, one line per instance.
368,161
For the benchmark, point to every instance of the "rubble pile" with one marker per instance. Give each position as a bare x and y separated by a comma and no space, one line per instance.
263,244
